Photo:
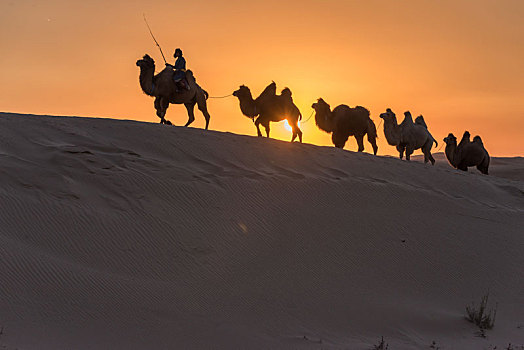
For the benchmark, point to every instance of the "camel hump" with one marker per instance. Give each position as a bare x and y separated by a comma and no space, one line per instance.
408,119
269,91
420,121
362,110
478,140
190,76
286,92
465,138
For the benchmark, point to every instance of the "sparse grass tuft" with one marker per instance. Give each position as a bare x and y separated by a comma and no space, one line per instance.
480,316
381,346
434,345
512,348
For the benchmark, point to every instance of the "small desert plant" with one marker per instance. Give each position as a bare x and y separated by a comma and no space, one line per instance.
381,346
480,316
512,348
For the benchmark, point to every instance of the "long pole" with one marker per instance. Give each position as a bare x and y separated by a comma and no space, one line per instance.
156,42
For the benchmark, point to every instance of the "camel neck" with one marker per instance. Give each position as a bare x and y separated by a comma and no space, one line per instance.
392,132
146,80
324,120
450,153
248,106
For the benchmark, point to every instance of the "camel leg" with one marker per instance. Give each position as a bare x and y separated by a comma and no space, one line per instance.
159,112
266,126
339,140
400,150
373,141
431,159
257,124
157,108
426,154
190,112
161,106
426,149
409,151
202,106
296,130
360,142
483,167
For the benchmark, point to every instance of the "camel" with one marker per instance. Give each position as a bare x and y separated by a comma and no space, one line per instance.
409,135
270,107
162,87
345,121
467,153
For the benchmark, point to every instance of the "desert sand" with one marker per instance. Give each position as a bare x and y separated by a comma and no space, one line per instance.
130,235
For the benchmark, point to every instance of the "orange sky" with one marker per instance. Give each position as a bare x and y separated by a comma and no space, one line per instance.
459,63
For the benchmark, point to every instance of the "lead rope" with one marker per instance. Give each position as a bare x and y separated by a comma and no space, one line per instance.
220,96
305,121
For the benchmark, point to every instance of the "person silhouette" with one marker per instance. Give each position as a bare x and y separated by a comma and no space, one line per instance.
180,70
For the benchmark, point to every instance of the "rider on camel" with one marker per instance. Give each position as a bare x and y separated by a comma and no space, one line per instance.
180,71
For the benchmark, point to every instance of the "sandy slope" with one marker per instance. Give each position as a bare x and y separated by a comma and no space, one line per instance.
128,235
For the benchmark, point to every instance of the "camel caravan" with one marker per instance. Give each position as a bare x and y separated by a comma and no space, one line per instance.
176,85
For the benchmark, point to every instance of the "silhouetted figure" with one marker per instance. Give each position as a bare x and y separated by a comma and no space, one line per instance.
408,136
344,122
162,86
180,71
270,107
467,153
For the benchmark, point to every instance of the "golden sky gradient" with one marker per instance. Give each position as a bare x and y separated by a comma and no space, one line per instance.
459,63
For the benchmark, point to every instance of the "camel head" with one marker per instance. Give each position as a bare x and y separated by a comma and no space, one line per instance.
321,106
243,91
450,140
146,62
323,115
389,117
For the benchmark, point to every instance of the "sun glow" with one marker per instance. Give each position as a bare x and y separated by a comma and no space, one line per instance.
287,126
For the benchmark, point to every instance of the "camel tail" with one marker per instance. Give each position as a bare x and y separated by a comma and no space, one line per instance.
299,116
205,94
432,138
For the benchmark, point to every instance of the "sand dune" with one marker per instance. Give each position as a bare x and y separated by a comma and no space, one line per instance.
129,235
